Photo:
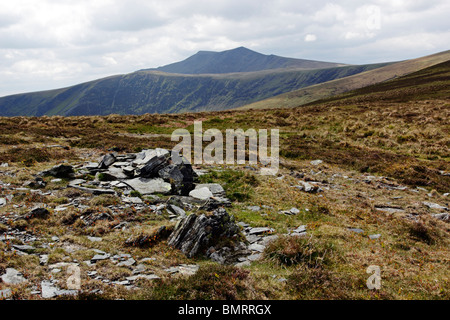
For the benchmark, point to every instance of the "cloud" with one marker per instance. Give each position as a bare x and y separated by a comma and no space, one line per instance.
50,44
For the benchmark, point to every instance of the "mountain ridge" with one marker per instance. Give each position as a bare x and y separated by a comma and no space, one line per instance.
240,59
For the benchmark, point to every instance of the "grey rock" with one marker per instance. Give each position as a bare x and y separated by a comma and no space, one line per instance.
149,186
254,208
260,230
127,263
316,162
60,171
176,210
94,239
442,216
432,205
194,234
99,257
300,229
356,230
107,160
43,259
24,248
374,236
12,276
143,276
152,167
76,182
389,209
49,290
201,193
132,200
215,188
181,176
256,247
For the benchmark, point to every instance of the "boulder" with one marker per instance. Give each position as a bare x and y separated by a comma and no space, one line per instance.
60,171
180,176
152,167
195,234
107,160
12,276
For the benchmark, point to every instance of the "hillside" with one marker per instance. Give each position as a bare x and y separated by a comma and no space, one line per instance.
336,87
158,92
239,60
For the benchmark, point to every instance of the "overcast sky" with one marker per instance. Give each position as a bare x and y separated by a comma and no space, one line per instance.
47,44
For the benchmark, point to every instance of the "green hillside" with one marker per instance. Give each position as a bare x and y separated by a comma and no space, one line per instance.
157,92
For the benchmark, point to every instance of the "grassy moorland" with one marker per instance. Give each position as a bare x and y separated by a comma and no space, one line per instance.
383,159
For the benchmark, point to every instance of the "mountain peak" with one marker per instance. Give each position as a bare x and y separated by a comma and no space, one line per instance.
240,59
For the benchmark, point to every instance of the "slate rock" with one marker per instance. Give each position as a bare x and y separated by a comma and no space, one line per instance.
60,171
107,160
180,176
152,167
148,186
195,234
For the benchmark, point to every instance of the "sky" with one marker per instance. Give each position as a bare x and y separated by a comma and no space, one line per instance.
48,44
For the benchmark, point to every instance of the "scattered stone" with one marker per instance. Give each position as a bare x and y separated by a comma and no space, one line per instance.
254,208
442,216
24,248
256,247
316,162
356,230
389,209
177,211
308,187
143,276
432,205
374,236
127,263
261,230
94,239
60,171
215,188
149,186
99,257
107,160
292,211
49,290
12,276
201,193
181,177
132,200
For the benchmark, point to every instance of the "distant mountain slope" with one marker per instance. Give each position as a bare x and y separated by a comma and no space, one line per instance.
426,84
334,87
239,60
158,92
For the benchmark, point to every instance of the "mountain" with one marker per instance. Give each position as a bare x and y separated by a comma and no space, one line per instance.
326,90
155,91
239,60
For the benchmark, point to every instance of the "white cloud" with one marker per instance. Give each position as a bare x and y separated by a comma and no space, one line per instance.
50,44
310,38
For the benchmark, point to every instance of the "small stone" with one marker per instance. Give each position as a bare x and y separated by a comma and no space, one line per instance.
201,193
256,247
432,205
94,239
356,230
374,236
127,263
99,257
260,230
254,208
316,162
12,276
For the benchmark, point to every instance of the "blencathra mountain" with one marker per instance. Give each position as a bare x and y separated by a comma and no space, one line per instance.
205,81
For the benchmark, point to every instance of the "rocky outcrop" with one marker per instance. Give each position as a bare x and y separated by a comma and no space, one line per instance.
194,235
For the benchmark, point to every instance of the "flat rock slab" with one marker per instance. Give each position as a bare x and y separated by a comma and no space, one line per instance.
12,276
215,188
260,230
432,205
149,186
201,193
